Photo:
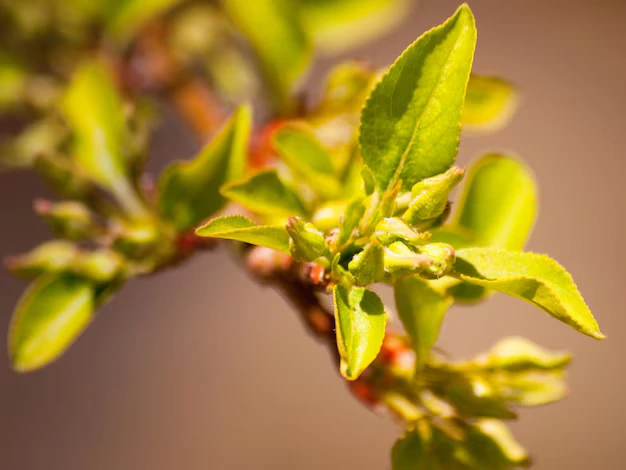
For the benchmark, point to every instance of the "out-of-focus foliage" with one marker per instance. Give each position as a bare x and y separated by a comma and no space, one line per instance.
355,188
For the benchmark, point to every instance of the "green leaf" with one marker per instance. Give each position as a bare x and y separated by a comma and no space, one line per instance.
499,202
368,266
301,151
52,312
535,278
237,227
277,37
490,444
189,191
94,111
307,243
530,388
517,353
338,25
350,220
410,125
421,310
360,322
411,453
489,103
265,193
429,197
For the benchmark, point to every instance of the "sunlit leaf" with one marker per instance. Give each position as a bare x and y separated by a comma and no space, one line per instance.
517,353
499,202
489,103
189,191
410,126
535,278
338,25
237,227
265,193
421,310
360,322
52,312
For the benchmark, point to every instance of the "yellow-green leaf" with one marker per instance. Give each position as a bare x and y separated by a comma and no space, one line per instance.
517,353
275,33
238,227
338,25
265,193
499,202
53,311
360,323
489,103
538,279
128,16
410,125
94,110
189,191
421,310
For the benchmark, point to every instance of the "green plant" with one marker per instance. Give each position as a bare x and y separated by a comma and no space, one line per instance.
340,196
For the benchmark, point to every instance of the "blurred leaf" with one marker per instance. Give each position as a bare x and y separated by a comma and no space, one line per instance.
276,35
499,202
13,82
346,86
490,444
52,312
410,453
516,353
189,191
264,193
68,219
301,151
489,103
535,278
360,322
94,111
472,397
307,243
429,197
51,256
368,266
531,388
237,227
338,25
410,125
421,310
126,17
42,137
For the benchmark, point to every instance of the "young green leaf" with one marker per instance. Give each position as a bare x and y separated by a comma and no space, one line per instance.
237,227
530,388
128,16
189,191
360,322
535,278
265,193
306,243
52,312
277,37
410,125
516,353
94,111
499,202
489,103
421,310
301,151
429,197
350,220
368,266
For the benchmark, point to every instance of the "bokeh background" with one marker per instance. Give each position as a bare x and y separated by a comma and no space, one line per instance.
199,368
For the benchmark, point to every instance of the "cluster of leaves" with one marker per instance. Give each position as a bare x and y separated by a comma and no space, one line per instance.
357,186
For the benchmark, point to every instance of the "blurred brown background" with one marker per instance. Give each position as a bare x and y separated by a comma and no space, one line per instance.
200,368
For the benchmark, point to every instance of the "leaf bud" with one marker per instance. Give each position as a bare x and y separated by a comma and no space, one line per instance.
367,267
306,242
